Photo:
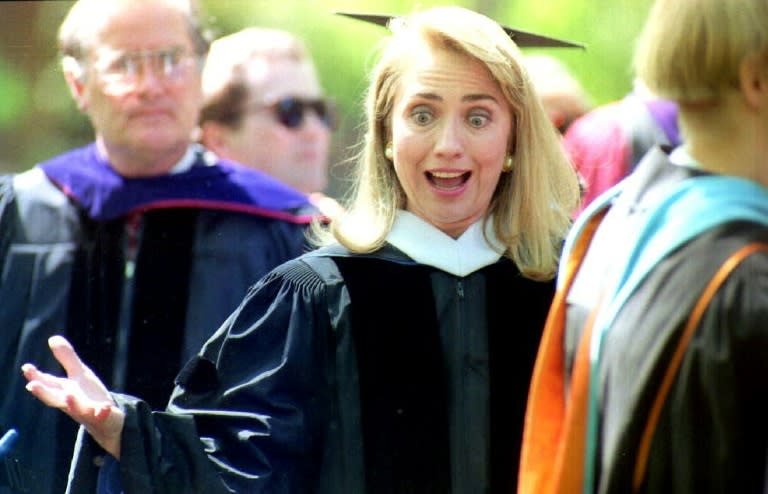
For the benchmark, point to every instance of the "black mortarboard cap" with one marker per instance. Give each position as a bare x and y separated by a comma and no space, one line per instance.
523,39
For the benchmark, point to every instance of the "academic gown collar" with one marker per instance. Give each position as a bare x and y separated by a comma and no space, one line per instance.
199,181
428,245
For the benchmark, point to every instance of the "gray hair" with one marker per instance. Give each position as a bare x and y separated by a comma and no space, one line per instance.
78,31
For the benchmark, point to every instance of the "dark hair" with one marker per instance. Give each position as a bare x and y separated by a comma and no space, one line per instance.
226,107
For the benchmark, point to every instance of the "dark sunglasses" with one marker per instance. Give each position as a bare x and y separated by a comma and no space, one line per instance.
290,112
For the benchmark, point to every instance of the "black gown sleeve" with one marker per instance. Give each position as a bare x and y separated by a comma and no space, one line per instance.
248,413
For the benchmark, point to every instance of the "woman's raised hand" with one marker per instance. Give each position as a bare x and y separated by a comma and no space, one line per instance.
80,394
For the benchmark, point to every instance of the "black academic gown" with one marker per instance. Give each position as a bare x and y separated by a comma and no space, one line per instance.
712,432
348,373
137,273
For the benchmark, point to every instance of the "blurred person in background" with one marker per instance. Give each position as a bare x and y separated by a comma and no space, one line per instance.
264,107
608,142
563,96
137,245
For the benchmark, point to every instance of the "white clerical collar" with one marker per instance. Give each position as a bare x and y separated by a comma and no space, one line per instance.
186,161
428,245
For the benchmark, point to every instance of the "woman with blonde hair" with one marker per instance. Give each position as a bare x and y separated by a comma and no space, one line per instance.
529,205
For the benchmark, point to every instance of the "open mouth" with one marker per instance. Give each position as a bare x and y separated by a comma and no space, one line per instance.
448,180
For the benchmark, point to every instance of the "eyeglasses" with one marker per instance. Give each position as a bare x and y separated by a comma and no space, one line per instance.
121,71
291,112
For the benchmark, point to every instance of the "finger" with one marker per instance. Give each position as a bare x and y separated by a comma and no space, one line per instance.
103,412
52,398
89,412
66,355
80,409
29,371
32,373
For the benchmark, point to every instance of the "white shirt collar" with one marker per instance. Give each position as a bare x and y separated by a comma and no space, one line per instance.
680,156
185,163
428,245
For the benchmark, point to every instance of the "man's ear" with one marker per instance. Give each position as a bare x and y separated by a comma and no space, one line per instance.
753,80
74,75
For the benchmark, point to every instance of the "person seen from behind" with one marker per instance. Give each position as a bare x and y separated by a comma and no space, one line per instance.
650,374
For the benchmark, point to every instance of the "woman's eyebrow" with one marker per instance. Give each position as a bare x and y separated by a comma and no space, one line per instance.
468,97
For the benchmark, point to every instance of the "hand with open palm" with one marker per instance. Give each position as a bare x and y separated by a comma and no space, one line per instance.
80,394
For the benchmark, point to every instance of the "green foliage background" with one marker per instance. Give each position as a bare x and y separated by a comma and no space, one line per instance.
38,118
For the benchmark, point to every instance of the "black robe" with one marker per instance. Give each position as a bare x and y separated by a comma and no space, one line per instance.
712,434
137,273
348,373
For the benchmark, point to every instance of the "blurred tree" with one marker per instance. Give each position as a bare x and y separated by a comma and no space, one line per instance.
38,118
13,94
608,28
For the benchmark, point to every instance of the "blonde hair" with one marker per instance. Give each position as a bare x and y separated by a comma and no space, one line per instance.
531,205
690,50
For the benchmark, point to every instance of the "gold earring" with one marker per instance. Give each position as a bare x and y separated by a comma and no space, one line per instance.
508,163
388,151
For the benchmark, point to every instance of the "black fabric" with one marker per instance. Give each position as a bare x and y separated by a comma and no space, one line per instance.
96,278
159,307
96,275
9,216
64,273
161,280
160,303
513,343
287,417
198,376
403,411
714,394
711,435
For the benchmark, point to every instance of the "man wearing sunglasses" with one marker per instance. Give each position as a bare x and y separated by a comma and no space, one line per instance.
264,107
137,245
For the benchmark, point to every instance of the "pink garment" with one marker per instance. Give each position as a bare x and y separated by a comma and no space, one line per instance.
600,150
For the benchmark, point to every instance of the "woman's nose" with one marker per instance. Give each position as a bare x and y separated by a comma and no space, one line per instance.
449,139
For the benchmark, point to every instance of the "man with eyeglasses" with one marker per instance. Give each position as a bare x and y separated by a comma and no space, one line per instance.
137,245
260,86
